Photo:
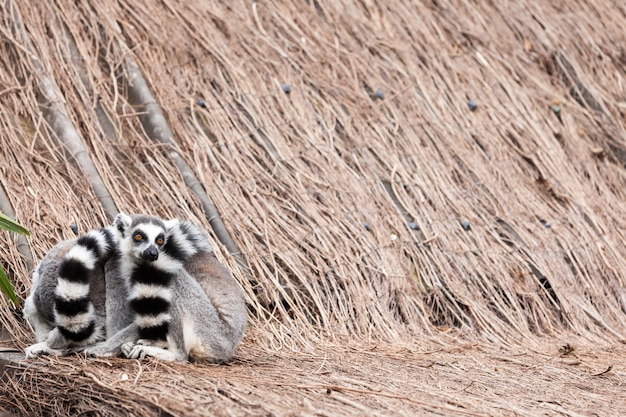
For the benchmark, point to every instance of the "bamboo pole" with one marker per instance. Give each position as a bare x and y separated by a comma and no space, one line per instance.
56,115
158,130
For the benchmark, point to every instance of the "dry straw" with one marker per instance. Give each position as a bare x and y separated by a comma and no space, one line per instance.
422,201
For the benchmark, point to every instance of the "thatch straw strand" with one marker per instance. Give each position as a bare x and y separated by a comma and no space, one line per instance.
402,176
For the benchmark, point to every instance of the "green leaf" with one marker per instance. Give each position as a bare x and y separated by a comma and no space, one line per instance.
11,225
6,287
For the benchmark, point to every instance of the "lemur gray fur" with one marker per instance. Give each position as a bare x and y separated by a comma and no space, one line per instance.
66,305
205,316
167,295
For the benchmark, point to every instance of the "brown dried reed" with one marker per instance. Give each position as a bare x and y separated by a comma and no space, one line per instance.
373,208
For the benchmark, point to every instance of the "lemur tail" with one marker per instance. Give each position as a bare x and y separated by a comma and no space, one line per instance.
74,312
185,240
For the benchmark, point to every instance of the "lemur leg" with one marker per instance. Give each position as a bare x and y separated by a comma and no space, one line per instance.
113,345
41,327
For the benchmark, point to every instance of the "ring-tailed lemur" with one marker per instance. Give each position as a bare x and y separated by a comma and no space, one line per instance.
166,294
66,305
186,305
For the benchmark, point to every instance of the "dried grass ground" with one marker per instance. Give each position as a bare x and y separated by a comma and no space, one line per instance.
516,245
453,378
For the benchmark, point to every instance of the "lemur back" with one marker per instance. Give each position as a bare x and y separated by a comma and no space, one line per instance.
213,335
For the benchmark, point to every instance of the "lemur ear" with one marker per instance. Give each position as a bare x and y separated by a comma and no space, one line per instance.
171,224
122,222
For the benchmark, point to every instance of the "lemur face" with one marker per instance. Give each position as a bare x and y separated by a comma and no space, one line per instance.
142,237
148,239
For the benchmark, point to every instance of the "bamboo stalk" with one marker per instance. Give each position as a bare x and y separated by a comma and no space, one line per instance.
158,130
55,113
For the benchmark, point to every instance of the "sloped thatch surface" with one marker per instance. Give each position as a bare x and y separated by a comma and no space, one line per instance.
352,311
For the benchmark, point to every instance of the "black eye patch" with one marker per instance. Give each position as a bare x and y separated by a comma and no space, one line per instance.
139,236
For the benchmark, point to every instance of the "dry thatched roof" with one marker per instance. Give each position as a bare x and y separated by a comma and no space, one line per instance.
403,251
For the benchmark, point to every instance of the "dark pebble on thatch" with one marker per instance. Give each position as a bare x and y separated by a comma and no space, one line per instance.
545,223
286,88
472,105
413,226
367,227
200,103
466,225
74,228
379,95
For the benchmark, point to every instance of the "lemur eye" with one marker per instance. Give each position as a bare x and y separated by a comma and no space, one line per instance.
138,237
160,241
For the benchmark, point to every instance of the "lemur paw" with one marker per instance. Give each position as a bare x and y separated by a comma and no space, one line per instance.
137,350
42,348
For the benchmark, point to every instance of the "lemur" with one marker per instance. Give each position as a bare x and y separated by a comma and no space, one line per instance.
66,305
167,295
187,306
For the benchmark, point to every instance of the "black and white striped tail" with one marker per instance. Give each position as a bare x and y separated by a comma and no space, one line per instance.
185,240
74,312
150,299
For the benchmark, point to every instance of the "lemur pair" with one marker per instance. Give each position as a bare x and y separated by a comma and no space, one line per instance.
140,287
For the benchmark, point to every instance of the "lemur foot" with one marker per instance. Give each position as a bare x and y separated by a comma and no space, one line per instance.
138,350
42,348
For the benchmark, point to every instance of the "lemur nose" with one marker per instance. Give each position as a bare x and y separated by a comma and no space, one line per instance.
151,254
